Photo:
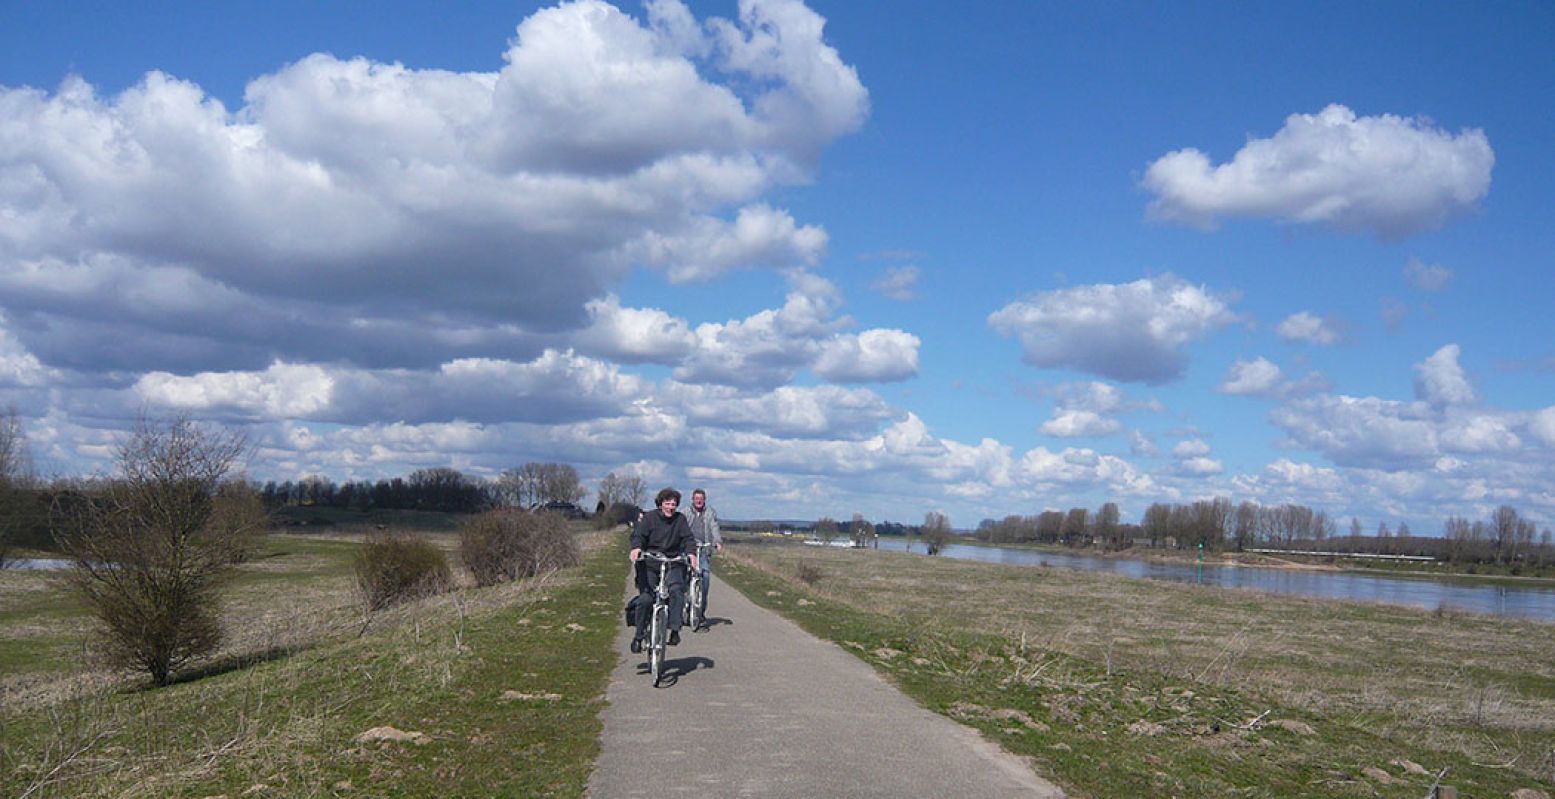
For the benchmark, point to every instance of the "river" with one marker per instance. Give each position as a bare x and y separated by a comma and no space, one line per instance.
1535,602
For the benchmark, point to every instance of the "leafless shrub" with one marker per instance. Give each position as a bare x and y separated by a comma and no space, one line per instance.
936,531
391,569
151,547
15,478
808,572
509,544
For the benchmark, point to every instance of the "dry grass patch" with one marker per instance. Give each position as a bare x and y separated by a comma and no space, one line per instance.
1461,683
285,707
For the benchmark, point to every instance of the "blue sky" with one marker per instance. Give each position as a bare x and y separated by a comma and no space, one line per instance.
819,259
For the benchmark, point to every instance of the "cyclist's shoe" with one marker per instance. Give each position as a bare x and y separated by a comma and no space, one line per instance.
675,638
637,646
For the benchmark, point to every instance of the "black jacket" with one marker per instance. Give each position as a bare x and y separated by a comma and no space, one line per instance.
666,536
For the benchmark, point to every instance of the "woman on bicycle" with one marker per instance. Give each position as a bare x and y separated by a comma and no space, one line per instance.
663,531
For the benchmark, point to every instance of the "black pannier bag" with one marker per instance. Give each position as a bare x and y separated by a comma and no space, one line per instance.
631,609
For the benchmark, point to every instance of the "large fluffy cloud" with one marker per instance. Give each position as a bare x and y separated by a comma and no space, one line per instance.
871,356
1132,332
768,348
556,387
1384,174
483,211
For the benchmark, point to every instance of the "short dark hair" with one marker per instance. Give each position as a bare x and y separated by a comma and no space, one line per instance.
698,491
666,493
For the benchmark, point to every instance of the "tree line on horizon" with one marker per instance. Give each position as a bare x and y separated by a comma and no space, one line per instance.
1220,525
1216,524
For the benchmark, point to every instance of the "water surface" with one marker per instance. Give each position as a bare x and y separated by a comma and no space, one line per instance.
1529,602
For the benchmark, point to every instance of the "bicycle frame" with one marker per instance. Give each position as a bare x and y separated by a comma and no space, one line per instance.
694,610
658,630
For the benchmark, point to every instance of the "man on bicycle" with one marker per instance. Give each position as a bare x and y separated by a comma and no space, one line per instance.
703,522
663,531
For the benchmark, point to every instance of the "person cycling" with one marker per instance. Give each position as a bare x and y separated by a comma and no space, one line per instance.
703,521
664,531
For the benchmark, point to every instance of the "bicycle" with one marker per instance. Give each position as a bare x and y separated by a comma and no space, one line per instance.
659,626
695,594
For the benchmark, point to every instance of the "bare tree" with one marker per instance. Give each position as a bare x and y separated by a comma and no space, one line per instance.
534,483
15,476
936,531
1050,525
150,549
826,530
1075,523
1245,527
627,488
1504,530
862,532
1107,528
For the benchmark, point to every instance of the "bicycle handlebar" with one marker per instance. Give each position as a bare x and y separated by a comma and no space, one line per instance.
663,558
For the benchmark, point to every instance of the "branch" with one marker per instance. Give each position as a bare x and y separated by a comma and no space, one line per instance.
48,778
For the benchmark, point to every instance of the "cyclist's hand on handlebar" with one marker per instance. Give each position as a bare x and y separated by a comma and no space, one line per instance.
634,555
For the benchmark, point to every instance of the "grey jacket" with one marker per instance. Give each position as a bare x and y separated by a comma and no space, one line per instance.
704,525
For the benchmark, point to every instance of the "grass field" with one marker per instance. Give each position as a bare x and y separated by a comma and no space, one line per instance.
479,692
1120,687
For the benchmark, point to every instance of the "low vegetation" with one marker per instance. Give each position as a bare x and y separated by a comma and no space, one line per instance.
472,692
509,543
394,568
1120,687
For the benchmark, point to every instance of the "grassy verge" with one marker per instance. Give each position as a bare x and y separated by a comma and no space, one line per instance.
1120,687
490,692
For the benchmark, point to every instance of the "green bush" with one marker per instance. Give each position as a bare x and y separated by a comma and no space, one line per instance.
510,544
391,569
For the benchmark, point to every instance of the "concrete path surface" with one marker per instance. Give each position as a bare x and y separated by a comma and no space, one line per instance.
755,706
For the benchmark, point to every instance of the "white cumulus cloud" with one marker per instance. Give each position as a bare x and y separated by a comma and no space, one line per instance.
1258,377
1132,332
1075,423
387,216
1542,425
1361,431
871,356
635,335
1384,174
1303,326
1439,379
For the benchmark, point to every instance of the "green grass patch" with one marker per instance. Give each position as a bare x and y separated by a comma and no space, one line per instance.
1118,687
493,692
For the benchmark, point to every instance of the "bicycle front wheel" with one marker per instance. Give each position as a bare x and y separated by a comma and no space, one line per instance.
694,606
661,623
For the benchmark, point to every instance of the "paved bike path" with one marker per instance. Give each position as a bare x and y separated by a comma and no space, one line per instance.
756,706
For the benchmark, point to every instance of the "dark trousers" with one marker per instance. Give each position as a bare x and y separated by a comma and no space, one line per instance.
648,583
